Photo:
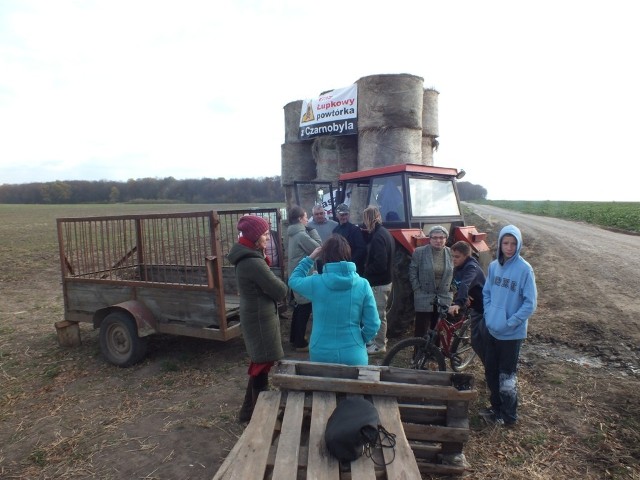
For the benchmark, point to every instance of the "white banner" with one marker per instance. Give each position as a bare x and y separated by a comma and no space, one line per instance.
334,113
326,201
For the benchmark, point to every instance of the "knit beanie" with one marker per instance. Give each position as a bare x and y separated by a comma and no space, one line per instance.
252,227
438,229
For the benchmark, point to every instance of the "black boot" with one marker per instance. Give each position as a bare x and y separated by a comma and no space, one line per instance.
247,405
260,384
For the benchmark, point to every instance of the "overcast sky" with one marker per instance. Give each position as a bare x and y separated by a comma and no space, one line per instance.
538,100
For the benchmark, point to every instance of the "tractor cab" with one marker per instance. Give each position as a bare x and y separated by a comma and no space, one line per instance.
412,198
408,195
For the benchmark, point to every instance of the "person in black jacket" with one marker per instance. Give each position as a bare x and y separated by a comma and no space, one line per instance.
468,279
353,234
378,270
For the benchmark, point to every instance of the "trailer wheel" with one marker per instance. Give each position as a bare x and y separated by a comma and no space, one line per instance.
119,340
400,312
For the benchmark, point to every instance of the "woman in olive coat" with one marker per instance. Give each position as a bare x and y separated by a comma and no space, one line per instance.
260,290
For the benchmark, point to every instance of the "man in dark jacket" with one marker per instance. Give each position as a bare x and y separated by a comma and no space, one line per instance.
469,279
378,270
353,234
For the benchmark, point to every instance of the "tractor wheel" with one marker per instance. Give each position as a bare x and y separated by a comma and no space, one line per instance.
119,341
400,312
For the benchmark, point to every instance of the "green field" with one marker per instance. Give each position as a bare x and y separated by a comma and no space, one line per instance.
616,215
28,232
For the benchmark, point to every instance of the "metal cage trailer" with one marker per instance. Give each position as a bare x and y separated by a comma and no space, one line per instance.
132,276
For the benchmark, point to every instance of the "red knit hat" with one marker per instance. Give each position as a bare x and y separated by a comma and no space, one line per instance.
252,227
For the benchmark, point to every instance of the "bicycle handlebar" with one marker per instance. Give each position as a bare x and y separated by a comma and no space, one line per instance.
443,310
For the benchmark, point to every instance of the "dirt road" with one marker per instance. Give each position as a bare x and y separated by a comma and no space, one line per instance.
588,279
580,366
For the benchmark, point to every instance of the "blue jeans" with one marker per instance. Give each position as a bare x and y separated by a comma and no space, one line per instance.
500,367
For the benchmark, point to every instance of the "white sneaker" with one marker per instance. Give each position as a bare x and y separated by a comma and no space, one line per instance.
373,349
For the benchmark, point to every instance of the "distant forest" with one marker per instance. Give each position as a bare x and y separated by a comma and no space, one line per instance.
165,190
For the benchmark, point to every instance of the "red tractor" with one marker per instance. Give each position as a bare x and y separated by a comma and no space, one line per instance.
411,198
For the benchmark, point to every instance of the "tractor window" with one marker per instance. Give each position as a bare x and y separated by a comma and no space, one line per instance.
388,193
433,198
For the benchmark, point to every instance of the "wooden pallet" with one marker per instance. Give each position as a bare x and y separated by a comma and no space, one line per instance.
285,440
434,406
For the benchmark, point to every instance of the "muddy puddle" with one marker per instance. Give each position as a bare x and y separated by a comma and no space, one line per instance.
560,352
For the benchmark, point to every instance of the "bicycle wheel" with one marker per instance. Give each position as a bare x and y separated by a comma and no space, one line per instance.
462,354
415,353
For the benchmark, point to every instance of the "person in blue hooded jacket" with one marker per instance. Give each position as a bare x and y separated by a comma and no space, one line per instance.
510,298
345,316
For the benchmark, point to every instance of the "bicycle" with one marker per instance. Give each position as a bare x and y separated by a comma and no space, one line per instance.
451,339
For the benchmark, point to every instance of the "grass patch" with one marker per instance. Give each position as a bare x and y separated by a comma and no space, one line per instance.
516,461
556,381
536,439
170,366
617,215
51,371
38,457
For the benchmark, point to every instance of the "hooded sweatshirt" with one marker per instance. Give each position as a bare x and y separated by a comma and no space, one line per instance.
345,316
510,294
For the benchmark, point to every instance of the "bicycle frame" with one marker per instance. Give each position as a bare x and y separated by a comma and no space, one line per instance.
431,351
446,329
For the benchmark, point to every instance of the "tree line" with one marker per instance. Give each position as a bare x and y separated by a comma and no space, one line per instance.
204,190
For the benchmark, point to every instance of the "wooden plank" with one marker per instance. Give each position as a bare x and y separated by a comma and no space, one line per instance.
209,333
231,458
191,307
423,451
283,367
321,464
368,375
452,448
363,469
89,297
406,375
166,304
287,456
68,333
439,469
251,458
431,414
295,382
303,456
435,433
404,465
387,374
458,414
317,369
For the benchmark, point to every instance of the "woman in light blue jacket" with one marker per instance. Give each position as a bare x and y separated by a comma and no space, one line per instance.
345,316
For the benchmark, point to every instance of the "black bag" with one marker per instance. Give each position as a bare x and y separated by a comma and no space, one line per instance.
353,428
